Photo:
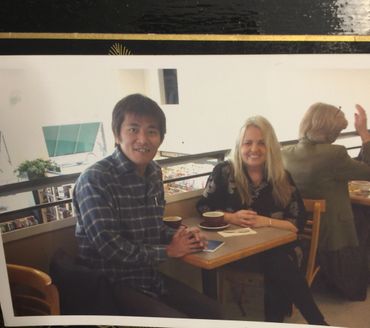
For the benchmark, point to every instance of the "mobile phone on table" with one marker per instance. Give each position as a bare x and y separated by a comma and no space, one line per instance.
213,245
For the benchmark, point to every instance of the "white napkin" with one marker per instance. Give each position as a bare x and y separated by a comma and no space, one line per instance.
237,232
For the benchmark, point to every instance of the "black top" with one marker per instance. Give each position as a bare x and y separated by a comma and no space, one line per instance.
221,193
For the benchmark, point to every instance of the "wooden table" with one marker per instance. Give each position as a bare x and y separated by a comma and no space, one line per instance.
356,195
360,199
235,248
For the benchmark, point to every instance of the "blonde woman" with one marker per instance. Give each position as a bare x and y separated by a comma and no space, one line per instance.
255,191
323,170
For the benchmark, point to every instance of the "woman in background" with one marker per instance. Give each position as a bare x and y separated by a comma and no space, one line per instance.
254,190
323,170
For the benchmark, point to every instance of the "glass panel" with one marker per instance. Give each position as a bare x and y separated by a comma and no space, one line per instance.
70,139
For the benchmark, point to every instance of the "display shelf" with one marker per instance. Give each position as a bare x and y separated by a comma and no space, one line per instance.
171,173
50,200
38,229
52,194
18,223
184,173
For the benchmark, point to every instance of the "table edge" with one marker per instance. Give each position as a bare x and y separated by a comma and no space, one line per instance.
215,263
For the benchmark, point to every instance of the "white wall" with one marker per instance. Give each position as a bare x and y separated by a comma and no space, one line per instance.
217,93
53,96
216,100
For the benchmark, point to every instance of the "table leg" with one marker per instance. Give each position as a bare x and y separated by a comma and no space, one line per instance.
210,283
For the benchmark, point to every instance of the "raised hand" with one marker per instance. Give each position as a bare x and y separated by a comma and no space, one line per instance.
361,124
360,119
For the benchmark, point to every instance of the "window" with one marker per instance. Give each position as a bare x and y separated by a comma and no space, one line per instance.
70,139
168,86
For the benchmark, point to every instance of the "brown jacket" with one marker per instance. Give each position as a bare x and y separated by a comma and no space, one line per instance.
323,171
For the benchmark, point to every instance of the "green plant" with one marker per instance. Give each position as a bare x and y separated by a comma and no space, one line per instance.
36,168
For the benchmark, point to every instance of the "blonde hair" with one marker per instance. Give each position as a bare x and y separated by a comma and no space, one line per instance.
274,168
322,123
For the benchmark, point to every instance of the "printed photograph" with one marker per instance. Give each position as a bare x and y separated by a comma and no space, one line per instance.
116,171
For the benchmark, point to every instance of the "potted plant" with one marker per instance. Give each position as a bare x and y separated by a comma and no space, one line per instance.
36,168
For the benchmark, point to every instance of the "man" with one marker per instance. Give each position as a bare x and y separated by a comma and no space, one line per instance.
119,204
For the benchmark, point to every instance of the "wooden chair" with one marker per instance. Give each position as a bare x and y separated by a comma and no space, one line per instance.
311,233
33,292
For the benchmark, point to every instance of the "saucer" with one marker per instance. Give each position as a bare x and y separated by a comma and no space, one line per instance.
205,226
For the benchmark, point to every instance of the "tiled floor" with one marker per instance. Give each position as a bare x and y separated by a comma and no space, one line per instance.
338,312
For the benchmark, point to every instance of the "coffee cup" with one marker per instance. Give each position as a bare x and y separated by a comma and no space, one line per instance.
214,218
173,221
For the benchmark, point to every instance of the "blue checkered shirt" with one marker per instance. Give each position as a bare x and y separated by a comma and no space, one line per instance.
119,222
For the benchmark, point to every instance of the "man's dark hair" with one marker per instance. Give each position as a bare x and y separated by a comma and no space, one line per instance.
140,105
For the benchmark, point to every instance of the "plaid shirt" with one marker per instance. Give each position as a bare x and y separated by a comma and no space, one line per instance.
119,222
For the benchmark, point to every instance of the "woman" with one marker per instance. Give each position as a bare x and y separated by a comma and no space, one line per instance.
322,170
255,191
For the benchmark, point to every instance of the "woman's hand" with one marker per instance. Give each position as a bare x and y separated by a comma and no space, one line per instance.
259,221
361,123
241,218
264,221
247,218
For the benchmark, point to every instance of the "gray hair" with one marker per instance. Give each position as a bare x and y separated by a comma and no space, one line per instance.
322,123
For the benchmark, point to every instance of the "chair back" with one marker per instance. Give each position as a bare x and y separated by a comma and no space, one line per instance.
82,290
311,232
33,292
